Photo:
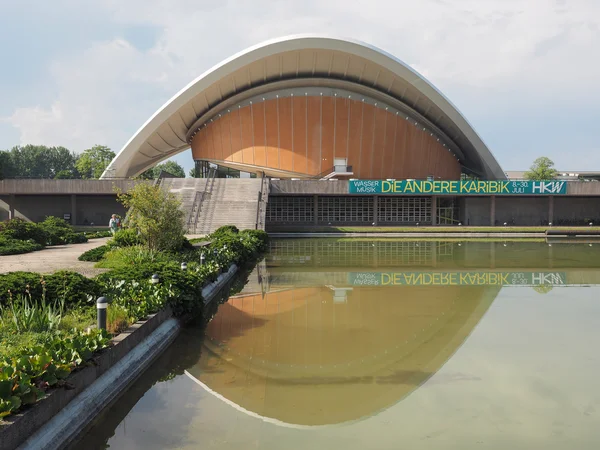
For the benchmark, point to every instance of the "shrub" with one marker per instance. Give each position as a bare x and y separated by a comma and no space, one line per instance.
22,230
133,256
72,286
9,246
156,214
117,319
225,229
97,234
59,232
127,237
94,254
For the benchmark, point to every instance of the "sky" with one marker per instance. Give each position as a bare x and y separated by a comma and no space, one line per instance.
524,73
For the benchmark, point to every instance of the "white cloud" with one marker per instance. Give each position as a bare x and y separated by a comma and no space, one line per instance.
485,52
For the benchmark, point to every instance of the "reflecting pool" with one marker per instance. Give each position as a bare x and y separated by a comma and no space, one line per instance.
383,344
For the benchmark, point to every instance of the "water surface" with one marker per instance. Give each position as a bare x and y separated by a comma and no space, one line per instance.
383,344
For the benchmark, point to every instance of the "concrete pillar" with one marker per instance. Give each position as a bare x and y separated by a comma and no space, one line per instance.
316,209
375,215
434,210
11,206
434,245
551,209
492,210
73,209
492,255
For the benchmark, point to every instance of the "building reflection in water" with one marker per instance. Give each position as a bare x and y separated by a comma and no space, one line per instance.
328,332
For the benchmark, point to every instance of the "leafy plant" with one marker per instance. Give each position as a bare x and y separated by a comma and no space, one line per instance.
59,232
25,378
136,255
117,319
24,231
34,315
126,237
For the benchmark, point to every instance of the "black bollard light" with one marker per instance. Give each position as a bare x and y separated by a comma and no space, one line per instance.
154,279
101,305
183,266
202,259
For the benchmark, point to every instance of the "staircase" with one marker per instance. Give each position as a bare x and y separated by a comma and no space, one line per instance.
212,203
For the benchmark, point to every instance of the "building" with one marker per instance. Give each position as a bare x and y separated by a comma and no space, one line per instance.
312,107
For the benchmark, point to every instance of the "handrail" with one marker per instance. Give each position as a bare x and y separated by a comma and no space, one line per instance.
263,197
330,170
199,199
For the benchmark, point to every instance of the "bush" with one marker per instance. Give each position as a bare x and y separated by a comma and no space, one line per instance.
94,254
73,287
133,256
59,232
22,230
126,238
97,234
9,246
225,229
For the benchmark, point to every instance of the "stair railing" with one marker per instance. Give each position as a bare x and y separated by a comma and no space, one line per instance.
262,203
199,198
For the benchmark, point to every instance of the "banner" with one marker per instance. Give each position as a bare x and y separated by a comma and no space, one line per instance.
456,278
438,187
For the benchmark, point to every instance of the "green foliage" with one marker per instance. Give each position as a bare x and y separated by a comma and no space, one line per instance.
73,287
171,167
225,229
156,214
39,161
25,378
542,169
22,230
126,237
97,234
10,246
117,319
94,254
59,232
29,314
130,256
93,161
139,299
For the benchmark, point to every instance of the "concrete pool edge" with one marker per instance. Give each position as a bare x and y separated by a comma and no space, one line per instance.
65,423
409,235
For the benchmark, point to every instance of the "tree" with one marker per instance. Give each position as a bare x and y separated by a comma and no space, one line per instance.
542,169
93,161
39,161
156,214
171,167
193,173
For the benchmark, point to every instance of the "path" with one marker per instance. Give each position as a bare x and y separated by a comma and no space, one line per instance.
52,259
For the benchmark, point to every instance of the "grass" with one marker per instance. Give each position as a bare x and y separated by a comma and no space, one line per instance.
426,229
123,257
12,342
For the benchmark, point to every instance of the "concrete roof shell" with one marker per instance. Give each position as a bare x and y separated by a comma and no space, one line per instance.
301,59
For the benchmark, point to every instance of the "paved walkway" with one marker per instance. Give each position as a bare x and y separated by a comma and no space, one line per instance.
52,259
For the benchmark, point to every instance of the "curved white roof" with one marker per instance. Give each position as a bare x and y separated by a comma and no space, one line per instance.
289,60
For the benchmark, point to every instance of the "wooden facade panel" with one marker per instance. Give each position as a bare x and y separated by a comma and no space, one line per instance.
285,134
276,134
247,136
387,160
342,112
226,137
272,127
259,133
368,136
378,156
236,136
314,135
356,117
328,130
299,111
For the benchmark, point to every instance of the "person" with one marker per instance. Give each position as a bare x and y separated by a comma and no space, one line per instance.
113,224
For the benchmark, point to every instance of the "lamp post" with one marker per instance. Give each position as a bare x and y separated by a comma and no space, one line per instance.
101,305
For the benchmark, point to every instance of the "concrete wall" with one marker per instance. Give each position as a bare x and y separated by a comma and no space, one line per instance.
35,208
475,211
576,210
532,211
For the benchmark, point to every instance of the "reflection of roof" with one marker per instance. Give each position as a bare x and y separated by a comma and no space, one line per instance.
312,60
300,358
